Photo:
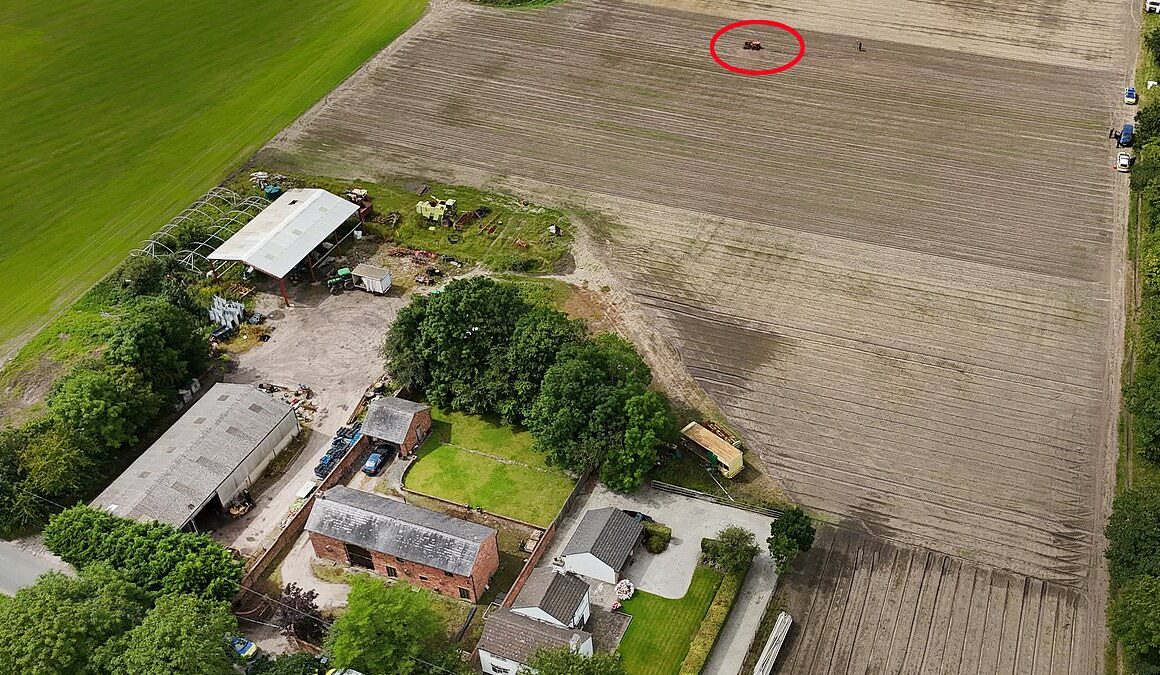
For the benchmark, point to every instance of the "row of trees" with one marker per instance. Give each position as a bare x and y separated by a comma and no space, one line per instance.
733,548
1133,530
479,347
97,411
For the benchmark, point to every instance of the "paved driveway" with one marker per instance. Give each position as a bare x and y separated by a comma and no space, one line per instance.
20,566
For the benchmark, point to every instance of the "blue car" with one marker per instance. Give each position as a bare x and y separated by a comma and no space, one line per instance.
374,464
1130,97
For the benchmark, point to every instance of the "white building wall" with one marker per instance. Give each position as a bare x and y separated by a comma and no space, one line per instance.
588,565
495,665
585,648
582,613
255,463
539,615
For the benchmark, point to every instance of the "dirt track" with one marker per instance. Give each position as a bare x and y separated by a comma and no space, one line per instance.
893,269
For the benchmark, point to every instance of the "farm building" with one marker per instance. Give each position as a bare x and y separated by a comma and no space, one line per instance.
559,599
602,544
400,424
510,640
726,458
289,231
212,453
450,556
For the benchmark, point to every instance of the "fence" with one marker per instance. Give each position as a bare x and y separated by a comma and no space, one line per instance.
705,496
542,546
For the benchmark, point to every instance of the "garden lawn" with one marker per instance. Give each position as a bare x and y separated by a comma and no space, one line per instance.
513,490
487,435
115,115
658,637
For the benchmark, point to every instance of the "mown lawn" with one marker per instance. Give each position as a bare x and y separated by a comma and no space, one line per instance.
487,435
115,115
514,490
661,629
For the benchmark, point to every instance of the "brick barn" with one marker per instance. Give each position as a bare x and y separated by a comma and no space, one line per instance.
401,541
397,423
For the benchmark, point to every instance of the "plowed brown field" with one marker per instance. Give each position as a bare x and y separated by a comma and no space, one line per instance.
894,269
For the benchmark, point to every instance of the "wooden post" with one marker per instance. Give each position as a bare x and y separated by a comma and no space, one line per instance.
310,266
282,286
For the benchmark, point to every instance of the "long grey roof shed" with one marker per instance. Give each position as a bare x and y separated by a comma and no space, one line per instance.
388,418
222,441
395,528
609,534
518,638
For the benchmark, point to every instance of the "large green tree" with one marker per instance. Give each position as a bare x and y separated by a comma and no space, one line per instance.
298,663
732,549
1134,619
180,635
156,556
57,625
106,404
385,629
53,462
790,533
163,341
1133,533
539,337
580,413
649,422
564,661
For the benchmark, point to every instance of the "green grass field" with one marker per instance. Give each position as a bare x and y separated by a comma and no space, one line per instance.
661,629
114,116
487,435
514,490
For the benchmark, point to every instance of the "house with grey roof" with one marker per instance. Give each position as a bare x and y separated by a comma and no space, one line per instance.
554,597
448,555
396,423
510,640
602,544
210,455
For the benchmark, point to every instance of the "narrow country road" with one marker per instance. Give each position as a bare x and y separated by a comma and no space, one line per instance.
739,630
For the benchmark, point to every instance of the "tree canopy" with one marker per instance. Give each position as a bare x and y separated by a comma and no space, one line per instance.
181,634
58,624
163,341
1134,619
732,549
106,404
155,556
1133,533
385,629
790,533
564,661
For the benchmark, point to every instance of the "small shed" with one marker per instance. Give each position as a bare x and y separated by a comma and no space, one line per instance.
602,544
372,279
724,456
399,424
287,232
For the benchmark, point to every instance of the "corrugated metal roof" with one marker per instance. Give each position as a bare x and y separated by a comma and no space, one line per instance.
711,442
560,595
184,468
516,637
395,528
388,418
609,534
282,235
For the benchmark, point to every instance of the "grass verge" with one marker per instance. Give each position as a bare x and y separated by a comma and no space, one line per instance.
659,636
710,629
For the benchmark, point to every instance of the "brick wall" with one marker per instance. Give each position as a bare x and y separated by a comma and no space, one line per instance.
420,426
418,574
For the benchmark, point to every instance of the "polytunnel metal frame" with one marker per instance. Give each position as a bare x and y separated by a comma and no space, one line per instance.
226,211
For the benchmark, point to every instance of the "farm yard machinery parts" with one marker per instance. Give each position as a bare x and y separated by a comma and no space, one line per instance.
241,504
343,280
437,210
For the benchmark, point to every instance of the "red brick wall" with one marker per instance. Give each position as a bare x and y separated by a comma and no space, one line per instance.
413,572
420,425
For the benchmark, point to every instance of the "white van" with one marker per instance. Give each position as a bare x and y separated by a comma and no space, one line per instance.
1152,6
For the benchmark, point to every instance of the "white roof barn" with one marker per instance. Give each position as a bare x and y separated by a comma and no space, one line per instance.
285,232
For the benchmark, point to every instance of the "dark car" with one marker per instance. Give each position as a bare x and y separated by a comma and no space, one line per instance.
374,464
1125,138
637,515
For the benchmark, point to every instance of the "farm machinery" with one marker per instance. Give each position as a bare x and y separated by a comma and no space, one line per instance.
754,45
436,210
343,280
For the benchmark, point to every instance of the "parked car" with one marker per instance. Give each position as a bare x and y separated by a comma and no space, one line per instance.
1124,140
245,649
1124,162
1130,97
374,464
642,517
